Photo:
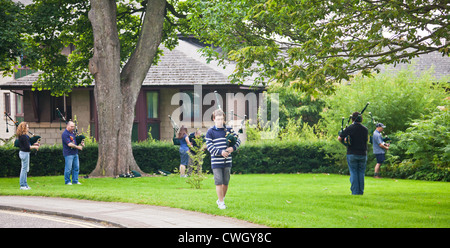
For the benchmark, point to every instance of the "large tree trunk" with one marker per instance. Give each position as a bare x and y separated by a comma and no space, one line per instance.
116,92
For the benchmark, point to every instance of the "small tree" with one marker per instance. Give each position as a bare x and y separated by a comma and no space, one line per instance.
197,155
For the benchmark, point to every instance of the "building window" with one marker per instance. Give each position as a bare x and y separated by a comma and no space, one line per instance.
152,104
195,110
153,121
7,97
19,106
22,72
64,104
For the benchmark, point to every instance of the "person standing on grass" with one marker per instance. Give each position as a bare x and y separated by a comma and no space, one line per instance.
379,148
184,149
24,153
356,152
70,153
221,159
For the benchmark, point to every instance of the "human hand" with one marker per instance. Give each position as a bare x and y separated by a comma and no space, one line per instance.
225,154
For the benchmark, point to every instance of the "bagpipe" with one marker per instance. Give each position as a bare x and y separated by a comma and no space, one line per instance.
176,128
79,138
347,140
373,124
33,139
230,134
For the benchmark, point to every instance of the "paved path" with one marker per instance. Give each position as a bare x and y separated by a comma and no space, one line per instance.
121,214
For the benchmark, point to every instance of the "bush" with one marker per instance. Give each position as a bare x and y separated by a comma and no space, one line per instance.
395,100
282,157
423,150
48,161
269,156
273,157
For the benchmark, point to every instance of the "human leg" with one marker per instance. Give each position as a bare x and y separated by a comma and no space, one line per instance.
221,179
184,160
68,168
75,169
353,174
25,165
357,167
380,159
361,167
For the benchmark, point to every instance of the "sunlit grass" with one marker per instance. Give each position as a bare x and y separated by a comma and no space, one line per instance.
279,200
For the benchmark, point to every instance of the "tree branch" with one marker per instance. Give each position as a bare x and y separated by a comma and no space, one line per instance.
173,11
149,40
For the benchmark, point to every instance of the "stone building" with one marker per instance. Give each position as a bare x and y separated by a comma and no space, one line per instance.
180,72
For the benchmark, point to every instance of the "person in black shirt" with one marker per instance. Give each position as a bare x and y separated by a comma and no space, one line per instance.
24,153
356,152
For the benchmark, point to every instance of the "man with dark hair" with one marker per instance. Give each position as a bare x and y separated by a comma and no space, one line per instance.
356,152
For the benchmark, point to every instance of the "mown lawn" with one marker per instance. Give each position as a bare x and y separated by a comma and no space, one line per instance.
276,200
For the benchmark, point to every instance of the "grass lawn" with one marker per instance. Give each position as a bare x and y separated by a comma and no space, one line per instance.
280,200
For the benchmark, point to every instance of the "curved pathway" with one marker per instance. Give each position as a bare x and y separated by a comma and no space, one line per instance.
121,214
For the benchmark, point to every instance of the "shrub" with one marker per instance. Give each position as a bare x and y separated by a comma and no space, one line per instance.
268,157
395,100
423,150
281,157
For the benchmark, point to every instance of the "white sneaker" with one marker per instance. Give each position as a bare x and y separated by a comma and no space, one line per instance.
68,183
78,183
25,188
221,205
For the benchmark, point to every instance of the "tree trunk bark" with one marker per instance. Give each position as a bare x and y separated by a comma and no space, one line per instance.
116,92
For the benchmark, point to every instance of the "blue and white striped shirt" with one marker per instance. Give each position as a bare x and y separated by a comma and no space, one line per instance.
216,143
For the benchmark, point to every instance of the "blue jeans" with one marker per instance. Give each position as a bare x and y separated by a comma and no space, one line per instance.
72,166
357,167
25,161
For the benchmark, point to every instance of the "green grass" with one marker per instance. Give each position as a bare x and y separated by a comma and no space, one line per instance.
280,200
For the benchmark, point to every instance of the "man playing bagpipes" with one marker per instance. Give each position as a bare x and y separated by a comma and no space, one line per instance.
379,148
355,137
70,153
221,142
78,137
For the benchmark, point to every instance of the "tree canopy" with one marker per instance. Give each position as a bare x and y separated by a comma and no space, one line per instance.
308,45
311,44
54,25
12,27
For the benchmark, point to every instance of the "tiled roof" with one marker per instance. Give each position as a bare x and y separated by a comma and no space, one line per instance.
182,66
185,66
440,64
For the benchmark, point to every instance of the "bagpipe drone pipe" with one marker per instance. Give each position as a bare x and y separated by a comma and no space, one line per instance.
347,140
79,138
176,128
33,139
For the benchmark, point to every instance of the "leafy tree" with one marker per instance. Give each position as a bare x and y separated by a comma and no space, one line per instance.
115,43
296,106
311,44
305,44
12,26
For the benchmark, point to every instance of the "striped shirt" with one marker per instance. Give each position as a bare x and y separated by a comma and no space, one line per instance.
216,143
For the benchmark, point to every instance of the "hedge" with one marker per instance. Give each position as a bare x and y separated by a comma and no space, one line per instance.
273,157
290,157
